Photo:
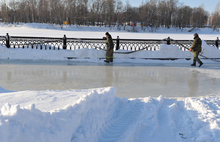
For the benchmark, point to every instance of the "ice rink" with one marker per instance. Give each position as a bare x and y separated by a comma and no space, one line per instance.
132,80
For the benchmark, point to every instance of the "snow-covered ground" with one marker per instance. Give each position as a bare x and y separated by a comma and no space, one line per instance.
96,114
38,30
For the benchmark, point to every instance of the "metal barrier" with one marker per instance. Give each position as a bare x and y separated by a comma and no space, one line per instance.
65,43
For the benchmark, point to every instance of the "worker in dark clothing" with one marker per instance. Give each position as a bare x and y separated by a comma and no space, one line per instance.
110,47
196,49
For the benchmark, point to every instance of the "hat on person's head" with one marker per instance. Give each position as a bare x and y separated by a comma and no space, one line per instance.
196,34
106,33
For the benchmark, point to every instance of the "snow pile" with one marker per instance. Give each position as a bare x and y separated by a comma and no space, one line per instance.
170,51
30,124
37,54
2,90
94,55
210,51
98,115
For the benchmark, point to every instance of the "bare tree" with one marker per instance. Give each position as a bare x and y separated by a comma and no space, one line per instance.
172,7
13,11
152,13
199,17
216,18
149,14
118,13
4,12
182,17
56,12
109,6
43,11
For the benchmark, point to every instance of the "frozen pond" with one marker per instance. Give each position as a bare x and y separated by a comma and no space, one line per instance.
131,80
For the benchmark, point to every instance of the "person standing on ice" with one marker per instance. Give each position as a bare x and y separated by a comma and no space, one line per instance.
110,47
196,49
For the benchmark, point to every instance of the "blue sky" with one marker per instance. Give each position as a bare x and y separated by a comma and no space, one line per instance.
209,5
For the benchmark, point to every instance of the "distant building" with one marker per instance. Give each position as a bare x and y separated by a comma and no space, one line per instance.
1,20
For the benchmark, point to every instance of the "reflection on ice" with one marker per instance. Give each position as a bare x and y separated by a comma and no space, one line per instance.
193,83
138,81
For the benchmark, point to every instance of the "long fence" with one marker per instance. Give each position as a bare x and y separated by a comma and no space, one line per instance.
49,43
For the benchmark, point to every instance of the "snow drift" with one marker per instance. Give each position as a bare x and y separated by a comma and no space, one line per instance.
94,55
98,115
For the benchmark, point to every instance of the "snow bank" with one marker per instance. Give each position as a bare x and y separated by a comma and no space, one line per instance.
75,122
2,90
98,115
210,51
37,54
165,51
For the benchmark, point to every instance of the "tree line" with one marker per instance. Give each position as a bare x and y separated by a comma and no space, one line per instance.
152,13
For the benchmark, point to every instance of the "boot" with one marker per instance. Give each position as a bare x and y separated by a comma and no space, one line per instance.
193,64
106,61
200,64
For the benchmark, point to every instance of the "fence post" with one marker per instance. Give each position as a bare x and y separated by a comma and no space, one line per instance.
168,41
216,42
117,43
64,42
7,38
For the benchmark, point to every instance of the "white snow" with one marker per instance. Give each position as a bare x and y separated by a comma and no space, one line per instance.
97,114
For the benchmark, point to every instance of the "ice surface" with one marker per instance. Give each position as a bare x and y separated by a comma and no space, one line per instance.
131,80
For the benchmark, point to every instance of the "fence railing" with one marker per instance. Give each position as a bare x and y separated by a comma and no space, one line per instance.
49,43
